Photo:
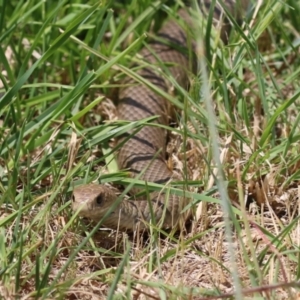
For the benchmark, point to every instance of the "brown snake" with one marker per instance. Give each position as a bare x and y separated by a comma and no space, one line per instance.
144,153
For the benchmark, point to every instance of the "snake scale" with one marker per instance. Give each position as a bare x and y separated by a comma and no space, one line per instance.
144,153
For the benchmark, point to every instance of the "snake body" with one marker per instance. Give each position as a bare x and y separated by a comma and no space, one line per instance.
144,152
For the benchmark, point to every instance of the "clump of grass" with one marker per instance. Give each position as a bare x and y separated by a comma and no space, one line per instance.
60,62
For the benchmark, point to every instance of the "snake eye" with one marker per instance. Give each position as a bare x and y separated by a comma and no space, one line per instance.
99,199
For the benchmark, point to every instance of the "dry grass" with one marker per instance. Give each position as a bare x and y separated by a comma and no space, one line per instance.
61,64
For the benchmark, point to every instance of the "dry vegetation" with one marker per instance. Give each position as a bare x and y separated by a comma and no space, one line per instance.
61,63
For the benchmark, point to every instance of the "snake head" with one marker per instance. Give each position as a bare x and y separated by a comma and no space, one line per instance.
92,200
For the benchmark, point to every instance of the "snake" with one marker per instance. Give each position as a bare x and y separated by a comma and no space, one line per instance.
143,153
